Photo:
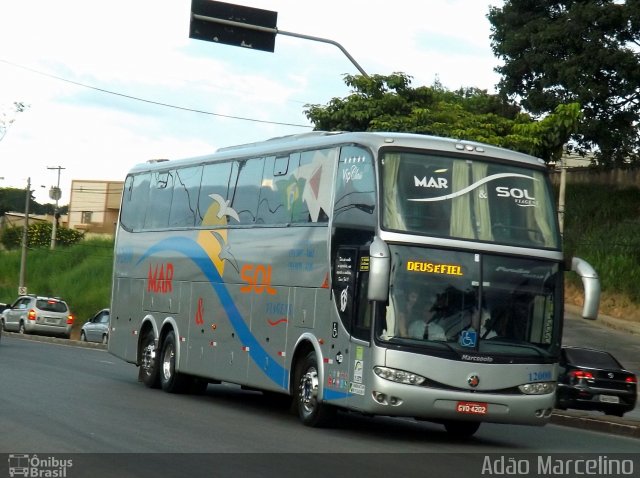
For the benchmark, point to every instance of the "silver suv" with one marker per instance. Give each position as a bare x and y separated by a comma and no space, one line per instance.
30,313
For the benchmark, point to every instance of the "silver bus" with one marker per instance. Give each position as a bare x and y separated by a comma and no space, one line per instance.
384,273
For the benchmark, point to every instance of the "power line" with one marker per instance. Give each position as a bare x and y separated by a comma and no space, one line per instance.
158,103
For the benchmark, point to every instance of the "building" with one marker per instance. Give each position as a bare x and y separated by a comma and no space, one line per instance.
94,206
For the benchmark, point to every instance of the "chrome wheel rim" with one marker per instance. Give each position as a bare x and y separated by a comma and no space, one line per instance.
148,356
309,391
167,362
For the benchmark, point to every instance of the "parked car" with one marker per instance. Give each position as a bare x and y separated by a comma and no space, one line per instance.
35,314
3,307
593,379
96,329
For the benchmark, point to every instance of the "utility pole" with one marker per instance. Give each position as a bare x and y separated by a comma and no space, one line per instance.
22,290
561,194
55,193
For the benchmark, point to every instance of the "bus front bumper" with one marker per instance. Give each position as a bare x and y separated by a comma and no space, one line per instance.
425,403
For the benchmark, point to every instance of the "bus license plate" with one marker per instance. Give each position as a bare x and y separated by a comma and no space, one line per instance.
609,399
472,408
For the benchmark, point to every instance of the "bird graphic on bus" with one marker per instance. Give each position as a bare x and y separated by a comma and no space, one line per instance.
214,242
223,207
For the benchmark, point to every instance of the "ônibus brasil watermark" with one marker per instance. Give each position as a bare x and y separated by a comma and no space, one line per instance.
34,466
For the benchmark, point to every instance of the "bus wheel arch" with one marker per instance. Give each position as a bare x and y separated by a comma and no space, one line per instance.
306,390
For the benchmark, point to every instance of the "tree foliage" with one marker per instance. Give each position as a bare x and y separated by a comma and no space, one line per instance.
39,235
584,51
13,200
389,103
7,119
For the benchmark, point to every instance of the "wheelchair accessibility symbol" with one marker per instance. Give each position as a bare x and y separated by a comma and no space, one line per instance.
468,338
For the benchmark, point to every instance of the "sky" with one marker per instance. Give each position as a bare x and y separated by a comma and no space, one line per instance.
110,84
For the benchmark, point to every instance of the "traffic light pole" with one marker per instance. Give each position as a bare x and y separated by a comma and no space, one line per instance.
274,31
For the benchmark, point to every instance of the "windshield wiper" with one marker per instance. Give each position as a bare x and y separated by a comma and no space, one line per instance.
514,342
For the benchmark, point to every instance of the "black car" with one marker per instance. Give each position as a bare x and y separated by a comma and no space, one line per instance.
593,379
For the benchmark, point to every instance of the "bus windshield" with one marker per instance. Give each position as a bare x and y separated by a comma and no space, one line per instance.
442,196
472,302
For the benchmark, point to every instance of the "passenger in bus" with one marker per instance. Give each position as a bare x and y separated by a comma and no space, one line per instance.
408,312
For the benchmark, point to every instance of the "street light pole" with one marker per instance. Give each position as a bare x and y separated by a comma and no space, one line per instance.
22,290
54,193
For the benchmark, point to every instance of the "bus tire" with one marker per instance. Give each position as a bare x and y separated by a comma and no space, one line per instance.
148,372
460,429
170,380
311,411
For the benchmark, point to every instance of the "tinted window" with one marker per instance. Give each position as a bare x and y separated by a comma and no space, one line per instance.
274,206
218,181
295,193
247,192
448,197
591,358
51,305
135,199
185,197
310,195
355,190
160,197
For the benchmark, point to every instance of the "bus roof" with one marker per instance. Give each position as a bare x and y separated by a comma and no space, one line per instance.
373,140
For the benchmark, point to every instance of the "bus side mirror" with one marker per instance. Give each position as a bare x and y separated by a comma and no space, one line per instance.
379,269
591,285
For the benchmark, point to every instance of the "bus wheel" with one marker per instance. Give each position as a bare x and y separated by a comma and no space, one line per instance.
170,380
148,373
460,429
311,411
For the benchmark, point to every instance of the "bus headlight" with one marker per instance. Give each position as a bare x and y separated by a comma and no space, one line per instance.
400,376
537,388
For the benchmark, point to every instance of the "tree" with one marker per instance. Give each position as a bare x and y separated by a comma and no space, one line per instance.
584,51
6,120
13,200
389,103
39,235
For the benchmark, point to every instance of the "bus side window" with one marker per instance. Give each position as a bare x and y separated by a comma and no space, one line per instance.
310,193
355,189
273,206
217,182
160,197
185,197
134,201
244,199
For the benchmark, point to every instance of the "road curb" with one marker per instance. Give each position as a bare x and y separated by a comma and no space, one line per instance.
611,425
56,340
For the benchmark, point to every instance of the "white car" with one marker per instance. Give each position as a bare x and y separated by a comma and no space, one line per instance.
96,329
35,314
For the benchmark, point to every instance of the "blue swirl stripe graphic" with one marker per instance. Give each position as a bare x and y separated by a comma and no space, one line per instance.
198,255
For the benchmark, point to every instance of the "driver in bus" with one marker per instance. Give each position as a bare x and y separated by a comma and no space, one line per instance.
424,327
